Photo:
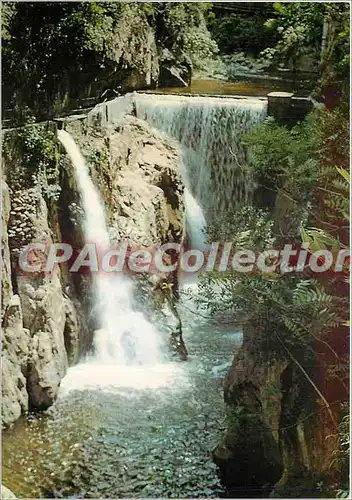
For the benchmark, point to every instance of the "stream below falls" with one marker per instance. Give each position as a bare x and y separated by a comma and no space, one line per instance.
145,432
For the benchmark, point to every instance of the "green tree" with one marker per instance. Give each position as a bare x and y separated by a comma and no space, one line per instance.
182,29
236,32
46,45
320,30
299,315
56,51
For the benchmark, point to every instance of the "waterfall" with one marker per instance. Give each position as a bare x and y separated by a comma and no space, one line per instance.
125,336
210,132
195,222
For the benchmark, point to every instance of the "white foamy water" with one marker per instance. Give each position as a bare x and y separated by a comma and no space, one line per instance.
210,131
195,221
94,375
125,336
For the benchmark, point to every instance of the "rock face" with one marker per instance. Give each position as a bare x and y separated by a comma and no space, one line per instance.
15,354
174,73
34,315
275,443
37,311
44,315
249,455
146,195
138,172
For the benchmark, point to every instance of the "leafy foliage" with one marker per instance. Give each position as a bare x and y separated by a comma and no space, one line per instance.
182,29
52,49
341,456
333,154
338,202
297,308
240,32
336,57
200,46
277,152
247,227
33,158
297,312
299,27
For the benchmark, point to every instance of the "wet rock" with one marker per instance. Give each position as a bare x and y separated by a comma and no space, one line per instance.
44,312
15,354
72,332
270,447
177,345
140,181
174,72
144,171
6,286
249,454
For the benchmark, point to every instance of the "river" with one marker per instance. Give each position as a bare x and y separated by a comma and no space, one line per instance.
138,430
109,441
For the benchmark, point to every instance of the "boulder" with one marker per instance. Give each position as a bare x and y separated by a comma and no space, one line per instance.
174,72
274,442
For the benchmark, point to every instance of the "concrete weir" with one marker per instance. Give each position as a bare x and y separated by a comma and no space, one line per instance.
209,131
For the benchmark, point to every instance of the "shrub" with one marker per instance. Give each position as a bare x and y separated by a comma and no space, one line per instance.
239,32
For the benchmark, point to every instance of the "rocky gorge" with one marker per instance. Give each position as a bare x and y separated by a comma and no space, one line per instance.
139,177
227,381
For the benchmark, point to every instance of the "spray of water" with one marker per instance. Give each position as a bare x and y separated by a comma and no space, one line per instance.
195,222
125,336
210,132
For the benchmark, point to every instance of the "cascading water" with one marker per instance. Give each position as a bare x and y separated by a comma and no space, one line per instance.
195,222
108,437
125,337
210,132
